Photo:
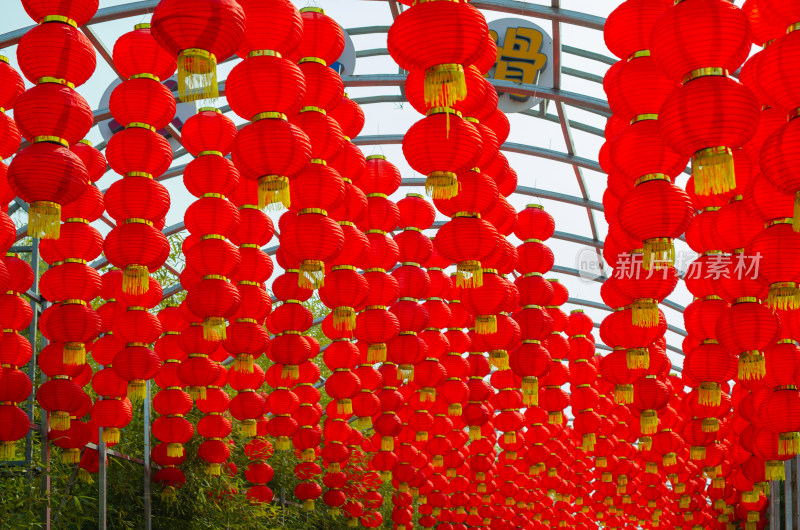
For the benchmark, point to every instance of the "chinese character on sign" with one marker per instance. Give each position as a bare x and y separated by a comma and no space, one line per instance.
519,59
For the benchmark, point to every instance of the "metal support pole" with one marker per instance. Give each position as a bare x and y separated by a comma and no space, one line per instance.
788,489
774,505
101,483
148,509
32,329
44,430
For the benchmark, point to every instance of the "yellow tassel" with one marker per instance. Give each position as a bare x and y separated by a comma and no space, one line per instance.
364,423
750,526
555,418
312,274
454,409
214,469
480,476
645,443
451,473
713,171
283,443
59,421
623,394
752,366
685,502
427,394
308,505
308,455
248,428
530,385
214,329
386,476
753,517
469,274
697,452
244,363
344,406
710,394
658,251
111,436
352,523
197,75
645,312
511,455
784,296
789,443
198,392
335,467
651,467
606,477
406,371
135,280
588,441
169,494
290,371
44,220
626,499
638,359
74,354
710,425
649,421
718,482
344,318
774,470
71,456
442,185
387,443
334,512
8,450
445,85
750,496
719,505
422,436
510,438
438,461
499,359
531,400
376,353
475,433
175,450
622,480
85,477
485,324
273,191
600,462
670,459
137,390
536,470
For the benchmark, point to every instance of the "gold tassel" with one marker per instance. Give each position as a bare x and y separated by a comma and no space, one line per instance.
697,452
308,505
364,423
750,526
387,443
59,421
308,455
198,392
469,274
774,470
344,406
784,296
406,371
649,421
44,220
290,371
499,359
376,353
475,433
197,75
753,517
283,443
530,385
659,251
651,467
74,354
85,477
244,363
438,461
645,312
451,473
713,171
352,523
312,274
71,456
485,324
718,482
670,459
555,418
422,436
137,390
344,318
386,476
750,496
719,505
646,443
710,425
685,502
169,494
752,366
427,394
273,191
710,394
442,185
510,438
638,359
335,467
248,428
214,329
445,85
111,436
530,400
136,280
454,409
588,441
511,455
175,450
789,443
8,450
623,394
334,512
622,480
